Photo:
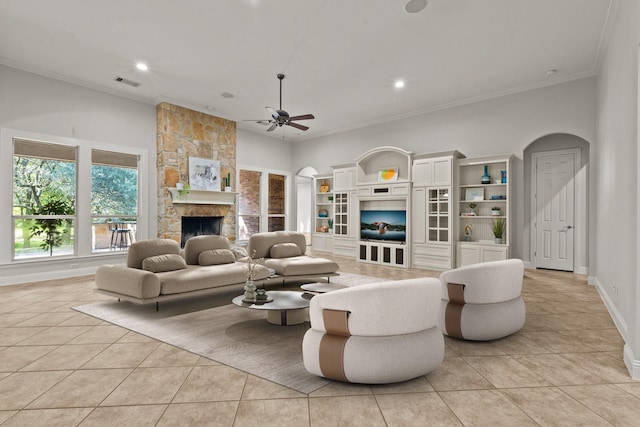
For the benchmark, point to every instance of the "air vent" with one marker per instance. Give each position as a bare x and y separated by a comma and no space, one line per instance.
126,81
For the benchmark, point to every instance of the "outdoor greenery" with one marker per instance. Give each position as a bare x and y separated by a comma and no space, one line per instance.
46,188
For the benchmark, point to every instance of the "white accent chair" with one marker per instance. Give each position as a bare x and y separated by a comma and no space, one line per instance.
387,332
483,302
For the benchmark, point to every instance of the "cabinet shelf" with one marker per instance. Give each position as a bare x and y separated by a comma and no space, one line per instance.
483,185
484,201
482,216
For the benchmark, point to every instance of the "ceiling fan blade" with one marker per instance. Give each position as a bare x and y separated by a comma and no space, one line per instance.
298,126
302,117
272,127
258,120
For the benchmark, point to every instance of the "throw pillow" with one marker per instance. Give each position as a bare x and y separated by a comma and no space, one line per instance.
216,256
239,252
285,250
161,263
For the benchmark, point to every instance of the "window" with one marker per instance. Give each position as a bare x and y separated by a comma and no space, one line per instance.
44,199
249,206
262,202
114,200
69,198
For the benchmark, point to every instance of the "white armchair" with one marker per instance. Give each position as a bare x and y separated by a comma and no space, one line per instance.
482,301
376,333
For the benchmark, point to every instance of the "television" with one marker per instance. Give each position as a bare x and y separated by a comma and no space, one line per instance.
383,225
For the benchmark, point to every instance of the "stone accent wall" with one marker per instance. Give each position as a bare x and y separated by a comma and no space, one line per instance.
184,133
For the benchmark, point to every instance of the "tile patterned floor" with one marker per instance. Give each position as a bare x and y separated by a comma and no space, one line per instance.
62,368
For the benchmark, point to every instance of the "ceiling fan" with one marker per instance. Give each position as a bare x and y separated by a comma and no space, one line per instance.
281,118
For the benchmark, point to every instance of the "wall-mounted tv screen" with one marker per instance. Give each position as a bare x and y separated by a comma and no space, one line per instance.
383,225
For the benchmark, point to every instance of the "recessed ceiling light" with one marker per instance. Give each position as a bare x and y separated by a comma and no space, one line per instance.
142,66
551,72
399,84
415,6
227,95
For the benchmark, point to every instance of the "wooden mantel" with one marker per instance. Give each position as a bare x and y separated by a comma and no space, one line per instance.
200,197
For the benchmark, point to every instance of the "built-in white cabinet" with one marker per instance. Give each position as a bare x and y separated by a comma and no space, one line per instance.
344,177
432,209
383,180
484,200
393,255
322,237
345,208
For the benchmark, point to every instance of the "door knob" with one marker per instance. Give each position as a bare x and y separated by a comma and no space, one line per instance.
569,227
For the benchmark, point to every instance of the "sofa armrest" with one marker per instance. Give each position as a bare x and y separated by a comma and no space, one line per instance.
128,281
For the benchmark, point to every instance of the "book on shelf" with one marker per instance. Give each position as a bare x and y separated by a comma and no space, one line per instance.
467,214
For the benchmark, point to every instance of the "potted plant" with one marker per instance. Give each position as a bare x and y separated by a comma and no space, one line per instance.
495,211
184,191
498,228
472,208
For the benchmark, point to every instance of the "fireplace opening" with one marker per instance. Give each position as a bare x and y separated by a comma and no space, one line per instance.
198,226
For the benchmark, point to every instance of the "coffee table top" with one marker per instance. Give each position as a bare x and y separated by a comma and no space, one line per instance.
322,287
282,300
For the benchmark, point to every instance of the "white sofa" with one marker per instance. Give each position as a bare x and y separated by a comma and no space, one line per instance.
285,252
375,333
483,301
157,271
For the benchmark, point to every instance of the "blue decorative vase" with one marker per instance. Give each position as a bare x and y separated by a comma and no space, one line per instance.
486,179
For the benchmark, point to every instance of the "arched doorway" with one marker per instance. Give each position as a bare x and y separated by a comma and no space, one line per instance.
556,202
304,201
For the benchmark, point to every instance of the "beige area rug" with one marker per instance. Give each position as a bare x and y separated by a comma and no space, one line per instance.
212,327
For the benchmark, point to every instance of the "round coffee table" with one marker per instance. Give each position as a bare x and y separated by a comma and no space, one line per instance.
287,307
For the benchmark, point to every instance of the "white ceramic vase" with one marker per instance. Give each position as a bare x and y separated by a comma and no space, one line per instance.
250,290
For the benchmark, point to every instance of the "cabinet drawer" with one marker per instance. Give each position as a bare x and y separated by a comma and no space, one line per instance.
400,190
434,250
431,262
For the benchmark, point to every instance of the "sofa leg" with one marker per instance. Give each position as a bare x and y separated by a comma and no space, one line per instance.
157,306
118,299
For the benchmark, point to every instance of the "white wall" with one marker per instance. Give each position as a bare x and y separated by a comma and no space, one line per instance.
48,106
498,126
615,252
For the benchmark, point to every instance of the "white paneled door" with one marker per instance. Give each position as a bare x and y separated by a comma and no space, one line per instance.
554,206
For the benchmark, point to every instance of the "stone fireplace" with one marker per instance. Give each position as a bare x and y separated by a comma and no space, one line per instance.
184,133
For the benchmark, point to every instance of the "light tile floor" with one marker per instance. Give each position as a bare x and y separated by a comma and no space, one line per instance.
60,367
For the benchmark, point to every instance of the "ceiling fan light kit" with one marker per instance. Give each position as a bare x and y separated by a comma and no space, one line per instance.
281,118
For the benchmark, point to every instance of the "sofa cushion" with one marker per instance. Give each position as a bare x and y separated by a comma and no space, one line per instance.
216,256
284,250
301,265
197,244
260,243
195,278
165,262
138,251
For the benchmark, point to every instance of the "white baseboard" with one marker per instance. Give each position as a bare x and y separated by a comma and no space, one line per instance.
632,364
581,270
48,275
613,311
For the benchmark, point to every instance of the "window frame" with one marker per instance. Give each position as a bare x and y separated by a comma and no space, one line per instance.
83,217
264,198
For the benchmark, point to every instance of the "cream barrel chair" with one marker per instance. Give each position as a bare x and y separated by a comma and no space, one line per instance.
482,301
376,333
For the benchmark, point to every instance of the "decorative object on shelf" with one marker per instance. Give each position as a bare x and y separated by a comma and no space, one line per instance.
472,209
388,174
498,229
498,197
250,286
261,294
330,222
323,213
322,229
183,190
330,198
227,182
474,194
486,178
495,211
503,177
179,185
204,174
467,232
249,291
324,187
